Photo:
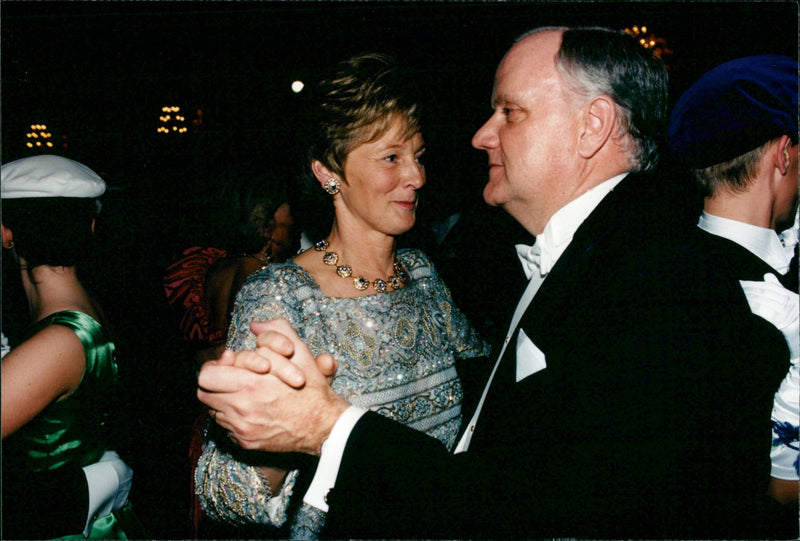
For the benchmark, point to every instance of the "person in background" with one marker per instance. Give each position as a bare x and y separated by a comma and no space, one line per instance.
273,239
65,510
58,384
626,402
384,311
250,226
202,284
736,128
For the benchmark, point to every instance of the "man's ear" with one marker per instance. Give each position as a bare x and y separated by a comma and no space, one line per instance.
322,173
8,236
598,124
782,157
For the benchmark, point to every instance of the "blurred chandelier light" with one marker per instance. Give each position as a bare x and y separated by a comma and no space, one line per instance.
650,41
39,137
171,120
641,33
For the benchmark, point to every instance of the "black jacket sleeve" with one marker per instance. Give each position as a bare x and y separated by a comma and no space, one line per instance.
45,505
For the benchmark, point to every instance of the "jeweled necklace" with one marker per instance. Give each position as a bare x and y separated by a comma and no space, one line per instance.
396,281
259,257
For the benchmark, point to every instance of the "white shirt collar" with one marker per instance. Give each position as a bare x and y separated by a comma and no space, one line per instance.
790,237
561,227
762,242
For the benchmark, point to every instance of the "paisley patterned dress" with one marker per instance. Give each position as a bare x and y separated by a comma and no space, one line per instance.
396,353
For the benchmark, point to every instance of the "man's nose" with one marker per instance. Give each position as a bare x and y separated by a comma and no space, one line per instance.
486,136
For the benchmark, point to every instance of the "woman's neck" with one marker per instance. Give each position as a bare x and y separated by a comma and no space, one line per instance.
367,254
53,289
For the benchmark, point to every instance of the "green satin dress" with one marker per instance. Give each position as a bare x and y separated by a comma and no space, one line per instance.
74,430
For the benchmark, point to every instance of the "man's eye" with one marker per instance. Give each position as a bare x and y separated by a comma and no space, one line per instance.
508,112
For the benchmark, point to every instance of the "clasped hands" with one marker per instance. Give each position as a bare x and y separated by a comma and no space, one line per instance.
277,398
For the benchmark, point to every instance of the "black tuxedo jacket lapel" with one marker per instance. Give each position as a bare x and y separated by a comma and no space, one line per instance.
574,265
548,322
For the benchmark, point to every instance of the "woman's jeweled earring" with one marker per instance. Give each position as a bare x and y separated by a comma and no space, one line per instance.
332,186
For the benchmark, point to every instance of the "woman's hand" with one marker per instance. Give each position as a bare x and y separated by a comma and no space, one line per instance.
270,342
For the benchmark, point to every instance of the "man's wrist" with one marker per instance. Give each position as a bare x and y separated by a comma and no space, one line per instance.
333,416
331,451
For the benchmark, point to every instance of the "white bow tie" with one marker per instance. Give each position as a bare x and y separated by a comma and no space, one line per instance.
533,259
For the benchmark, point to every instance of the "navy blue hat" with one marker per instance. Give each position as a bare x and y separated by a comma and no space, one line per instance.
735,108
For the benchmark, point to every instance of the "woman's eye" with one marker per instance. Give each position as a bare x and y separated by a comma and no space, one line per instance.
421,158
391,158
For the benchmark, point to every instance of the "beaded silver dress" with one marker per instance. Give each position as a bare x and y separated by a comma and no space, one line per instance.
396,353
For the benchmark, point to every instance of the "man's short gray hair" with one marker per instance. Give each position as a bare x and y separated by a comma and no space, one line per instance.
596,61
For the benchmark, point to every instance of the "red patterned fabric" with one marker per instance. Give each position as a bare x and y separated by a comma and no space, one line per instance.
184,284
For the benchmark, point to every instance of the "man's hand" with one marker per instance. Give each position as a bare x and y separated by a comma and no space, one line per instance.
269,342
290,408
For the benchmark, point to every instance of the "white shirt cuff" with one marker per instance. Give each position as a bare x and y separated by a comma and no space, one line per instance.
109,480
331,458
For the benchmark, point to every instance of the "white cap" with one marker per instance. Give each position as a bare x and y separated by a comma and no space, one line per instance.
48,176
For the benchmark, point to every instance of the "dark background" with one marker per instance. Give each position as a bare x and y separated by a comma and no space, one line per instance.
98,73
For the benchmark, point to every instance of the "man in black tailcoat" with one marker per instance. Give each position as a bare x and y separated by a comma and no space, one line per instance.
736,129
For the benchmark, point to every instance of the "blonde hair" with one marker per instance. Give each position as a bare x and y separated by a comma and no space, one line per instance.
736,174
